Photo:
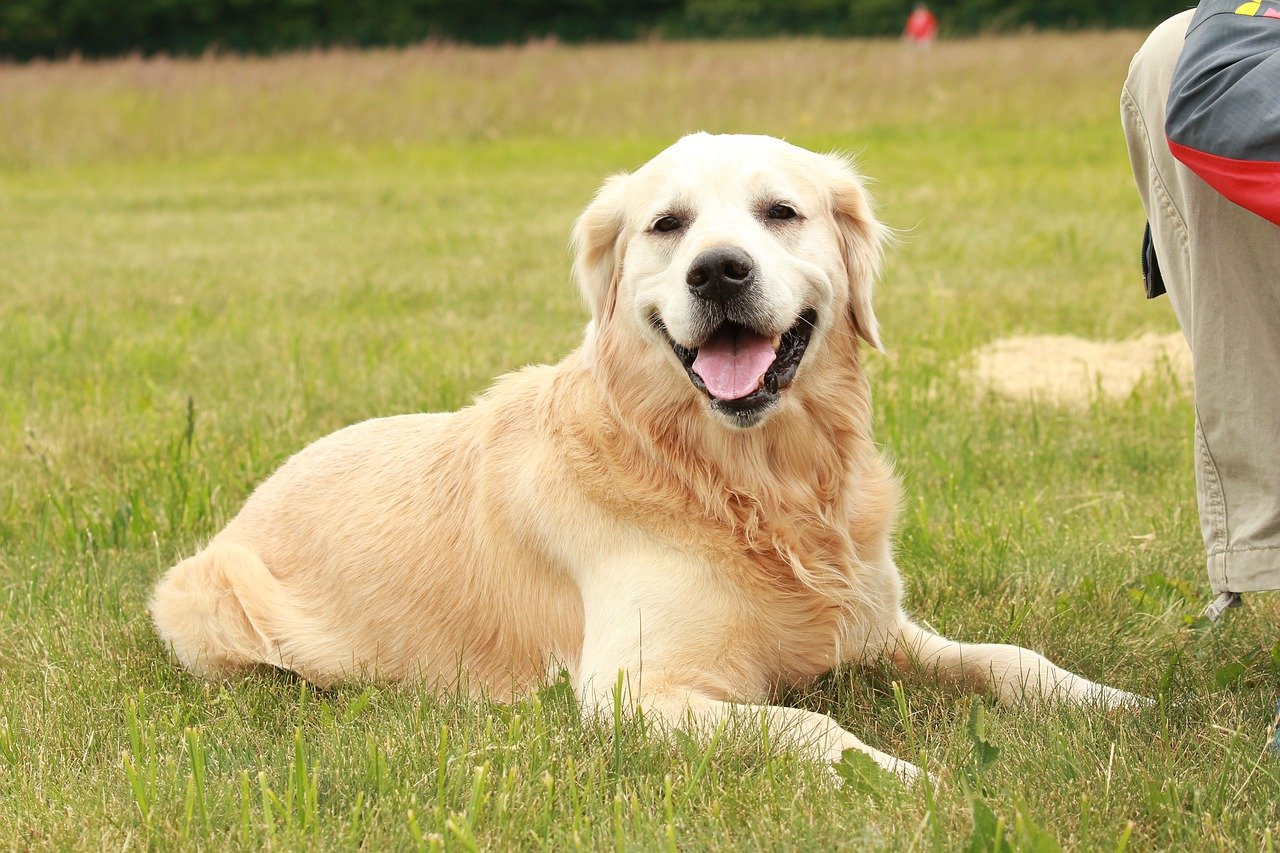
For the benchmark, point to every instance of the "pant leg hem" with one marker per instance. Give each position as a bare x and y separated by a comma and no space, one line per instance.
1245,569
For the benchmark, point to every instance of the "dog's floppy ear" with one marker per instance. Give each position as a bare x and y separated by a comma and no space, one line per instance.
862,239
597,249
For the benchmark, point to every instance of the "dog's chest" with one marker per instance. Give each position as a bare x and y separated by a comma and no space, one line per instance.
794,641
820,592
796,616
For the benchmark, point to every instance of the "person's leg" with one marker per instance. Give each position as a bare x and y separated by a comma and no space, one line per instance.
1221,267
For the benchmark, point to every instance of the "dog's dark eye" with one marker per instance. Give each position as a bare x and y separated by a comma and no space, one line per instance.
667,223
782,211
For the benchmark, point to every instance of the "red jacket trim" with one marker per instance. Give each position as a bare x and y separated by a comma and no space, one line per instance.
1252,184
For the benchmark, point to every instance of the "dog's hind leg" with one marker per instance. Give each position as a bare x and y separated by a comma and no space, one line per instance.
217,611
1013,674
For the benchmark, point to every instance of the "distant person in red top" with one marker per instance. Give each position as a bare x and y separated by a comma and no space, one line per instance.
922,26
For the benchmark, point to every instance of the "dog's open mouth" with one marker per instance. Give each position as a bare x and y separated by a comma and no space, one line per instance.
741,371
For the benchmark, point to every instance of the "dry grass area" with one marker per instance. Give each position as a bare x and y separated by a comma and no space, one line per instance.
1071,371
77,112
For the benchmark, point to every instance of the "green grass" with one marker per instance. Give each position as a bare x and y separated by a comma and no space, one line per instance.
205,265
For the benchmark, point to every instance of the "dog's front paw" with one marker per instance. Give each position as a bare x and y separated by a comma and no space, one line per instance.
1109,698
858,769
909,774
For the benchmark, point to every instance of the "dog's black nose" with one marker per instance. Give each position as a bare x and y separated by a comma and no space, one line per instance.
720,274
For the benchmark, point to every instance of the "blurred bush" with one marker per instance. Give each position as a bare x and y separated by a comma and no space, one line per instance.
95,28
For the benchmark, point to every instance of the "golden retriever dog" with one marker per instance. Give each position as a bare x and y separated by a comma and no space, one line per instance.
691,499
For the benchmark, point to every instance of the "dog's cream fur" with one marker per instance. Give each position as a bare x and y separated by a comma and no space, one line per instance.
597,514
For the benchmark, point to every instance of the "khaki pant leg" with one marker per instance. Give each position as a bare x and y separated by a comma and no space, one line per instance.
1221,267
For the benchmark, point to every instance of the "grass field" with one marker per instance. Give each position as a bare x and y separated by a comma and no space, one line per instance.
205,265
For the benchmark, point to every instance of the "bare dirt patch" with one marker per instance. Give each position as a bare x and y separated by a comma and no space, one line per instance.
1071,371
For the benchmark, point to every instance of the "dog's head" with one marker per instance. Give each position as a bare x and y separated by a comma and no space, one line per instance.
737,262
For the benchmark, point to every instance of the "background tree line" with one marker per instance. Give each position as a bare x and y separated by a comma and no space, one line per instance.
94,28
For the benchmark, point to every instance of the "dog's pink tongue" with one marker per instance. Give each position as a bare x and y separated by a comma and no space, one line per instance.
732,363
